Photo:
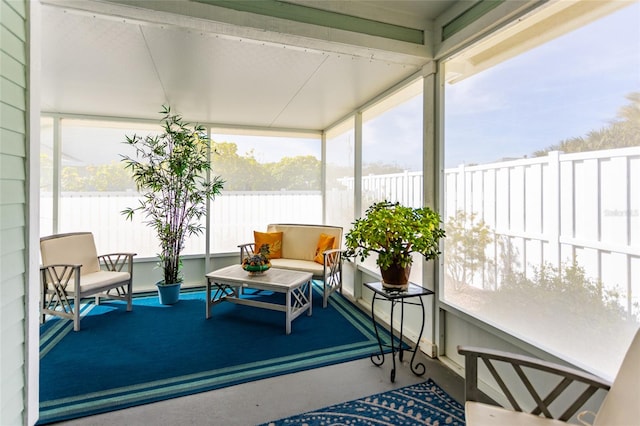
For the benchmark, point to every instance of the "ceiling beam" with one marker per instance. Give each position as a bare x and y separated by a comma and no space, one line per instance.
325,18
222,21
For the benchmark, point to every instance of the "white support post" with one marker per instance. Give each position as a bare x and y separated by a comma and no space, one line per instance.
357,191
431,184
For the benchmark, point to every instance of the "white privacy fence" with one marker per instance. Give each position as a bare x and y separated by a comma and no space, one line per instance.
405,187
559,208
553,209
235,215
545,210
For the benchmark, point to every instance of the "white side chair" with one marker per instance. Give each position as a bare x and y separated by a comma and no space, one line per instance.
72,270
621,405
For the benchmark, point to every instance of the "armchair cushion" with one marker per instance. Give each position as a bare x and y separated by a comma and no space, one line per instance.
102,280
478,413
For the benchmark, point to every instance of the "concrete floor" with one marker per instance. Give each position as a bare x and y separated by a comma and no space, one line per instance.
274,398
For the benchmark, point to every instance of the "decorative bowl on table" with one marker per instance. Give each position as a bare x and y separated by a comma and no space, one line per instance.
256,269
258,262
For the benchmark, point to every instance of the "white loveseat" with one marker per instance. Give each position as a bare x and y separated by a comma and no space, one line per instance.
298,250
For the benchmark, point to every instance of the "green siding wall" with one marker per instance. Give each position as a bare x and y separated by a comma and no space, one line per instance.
13,195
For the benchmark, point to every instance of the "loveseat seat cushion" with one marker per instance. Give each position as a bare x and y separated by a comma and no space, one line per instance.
299,265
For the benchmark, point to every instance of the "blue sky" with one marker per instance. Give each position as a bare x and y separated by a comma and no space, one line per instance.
559,90
562,89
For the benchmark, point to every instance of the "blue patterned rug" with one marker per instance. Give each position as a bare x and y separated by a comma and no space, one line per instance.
120,359
422,404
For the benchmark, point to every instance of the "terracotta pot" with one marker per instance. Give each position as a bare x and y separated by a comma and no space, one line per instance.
395,277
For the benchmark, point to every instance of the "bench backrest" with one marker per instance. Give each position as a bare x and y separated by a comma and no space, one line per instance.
300,241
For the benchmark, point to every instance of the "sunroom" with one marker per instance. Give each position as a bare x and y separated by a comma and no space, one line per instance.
516,120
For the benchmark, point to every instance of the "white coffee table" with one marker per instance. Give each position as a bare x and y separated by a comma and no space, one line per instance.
228,283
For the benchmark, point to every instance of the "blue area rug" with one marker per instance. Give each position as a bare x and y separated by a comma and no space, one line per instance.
422,404
120,359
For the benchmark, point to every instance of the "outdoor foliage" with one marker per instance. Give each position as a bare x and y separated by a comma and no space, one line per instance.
549,286
564,288
624,132
300,173
241,172
170,172
546,291
245,173
103,177
465,248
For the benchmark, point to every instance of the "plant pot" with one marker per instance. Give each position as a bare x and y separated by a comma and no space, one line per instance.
168,294
395,277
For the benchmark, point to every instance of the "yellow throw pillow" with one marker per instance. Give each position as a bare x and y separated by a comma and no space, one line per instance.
325,243
274,239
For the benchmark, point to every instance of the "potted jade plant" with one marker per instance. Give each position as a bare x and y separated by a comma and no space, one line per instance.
170,171
394,232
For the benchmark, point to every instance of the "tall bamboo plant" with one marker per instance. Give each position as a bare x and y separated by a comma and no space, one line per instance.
170,171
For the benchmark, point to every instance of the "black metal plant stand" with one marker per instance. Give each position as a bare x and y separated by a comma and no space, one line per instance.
403,297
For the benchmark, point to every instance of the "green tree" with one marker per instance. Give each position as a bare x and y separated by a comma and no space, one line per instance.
109,177
71,179
379,168
92,178
465,248
241,173
296,173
